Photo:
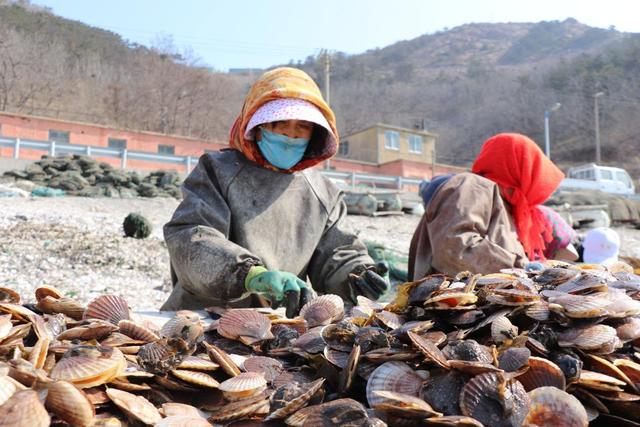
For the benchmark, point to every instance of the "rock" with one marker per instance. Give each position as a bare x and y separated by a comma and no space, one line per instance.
136,225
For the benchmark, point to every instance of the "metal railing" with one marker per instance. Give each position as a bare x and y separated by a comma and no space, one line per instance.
55,148
356,178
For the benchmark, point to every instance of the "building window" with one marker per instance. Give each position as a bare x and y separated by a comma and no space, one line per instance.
391,140
343,149
117,144
166,149
415,144
59,136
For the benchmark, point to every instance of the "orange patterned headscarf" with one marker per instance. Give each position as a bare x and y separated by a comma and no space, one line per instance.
526,178
276,84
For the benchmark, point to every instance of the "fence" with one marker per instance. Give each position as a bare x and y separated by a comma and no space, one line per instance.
55,148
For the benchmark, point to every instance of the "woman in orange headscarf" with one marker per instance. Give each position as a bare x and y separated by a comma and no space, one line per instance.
257,222
488,219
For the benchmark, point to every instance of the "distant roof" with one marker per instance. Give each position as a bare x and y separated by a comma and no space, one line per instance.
392,127
97,125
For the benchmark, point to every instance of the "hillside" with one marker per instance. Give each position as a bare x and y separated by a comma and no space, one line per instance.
464,84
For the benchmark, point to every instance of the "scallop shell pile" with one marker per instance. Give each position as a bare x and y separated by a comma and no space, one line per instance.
554,347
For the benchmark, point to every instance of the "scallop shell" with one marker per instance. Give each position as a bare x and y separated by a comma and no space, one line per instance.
513,359
436,337
473,368
244,385
245,325
39,353
18,312
159,357
491,399
589,338
389,319
195,363
8,387
293,377
289,398
196,377
429,349
70,404
580,306
601,365
311,341
24,409
135,406
597,381
469,350
539,311
121,383
630,368
392,376
47,290
404,405
254,406
338,358
5,325
96,329
16,334
116,339
628,329
9,295
553,407
338,412
542,373
267,366
136,331
503,330
86,366
516,296
450,300
323,310
219,356
555,276
111,308
67,306
183,421
182,327
170,409
452,421
426,287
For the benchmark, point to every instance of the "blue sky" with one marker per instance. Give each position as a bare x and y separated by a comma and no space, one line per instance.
261,33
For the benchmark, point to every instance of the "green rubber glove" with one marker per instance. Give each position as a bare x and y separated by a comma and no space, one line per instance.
277,286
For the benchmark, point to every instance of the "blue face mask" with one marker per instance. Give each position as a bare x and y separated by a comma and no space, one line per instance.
280,150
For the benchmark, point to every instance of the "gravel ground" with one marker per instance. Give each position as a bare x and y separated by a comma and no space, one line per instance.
77,245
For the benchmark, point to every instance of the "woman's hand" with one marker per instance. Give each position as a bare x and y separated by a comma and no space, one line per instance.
278,286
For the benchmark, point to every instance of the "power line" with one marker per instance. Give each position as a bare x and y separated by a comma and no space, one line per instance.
223,43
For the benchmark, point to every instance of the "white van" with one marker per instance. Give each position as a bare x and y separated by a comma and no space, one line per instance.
594,177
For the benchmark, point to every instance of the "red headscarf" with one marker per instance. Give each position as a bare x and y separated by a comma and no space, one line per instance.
526,178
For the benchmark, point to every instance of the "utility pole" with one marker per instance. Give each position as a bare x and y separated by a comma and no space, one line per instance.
327,77
327,95
547,114
597,124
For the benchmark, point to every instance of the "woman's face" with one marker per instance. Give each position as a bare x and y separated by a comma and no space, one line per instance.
290,128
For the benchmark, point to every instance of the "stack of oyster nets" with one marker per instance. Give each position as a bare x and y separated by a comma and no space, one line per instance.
516,348
80,175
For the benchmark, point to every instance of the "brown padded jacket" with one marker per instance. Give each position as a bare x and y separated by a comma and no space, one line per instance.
467,226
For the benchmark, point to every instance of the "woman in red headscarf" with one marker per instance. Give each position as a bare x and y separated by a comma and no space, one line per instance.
488,219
